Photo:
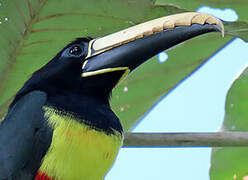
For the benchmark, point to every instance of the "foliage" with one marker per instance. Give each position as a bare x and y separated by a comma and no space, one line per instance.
36,30
231,163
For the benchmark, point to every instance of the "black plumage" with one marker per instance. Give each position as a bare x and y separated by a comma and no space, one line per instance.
24,134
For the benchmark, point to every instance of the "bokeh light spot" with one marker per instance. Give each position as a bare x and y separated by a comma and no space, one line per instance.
162,57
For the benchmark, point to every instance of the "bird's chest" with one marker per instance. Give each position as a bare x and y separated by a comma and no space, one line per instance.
78,151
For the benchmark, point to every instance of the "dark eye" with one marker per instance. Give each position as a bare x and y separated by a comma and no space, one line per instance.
75,50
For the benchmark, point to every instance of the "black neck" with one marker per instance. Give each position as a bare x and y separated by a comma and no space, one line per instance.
88,110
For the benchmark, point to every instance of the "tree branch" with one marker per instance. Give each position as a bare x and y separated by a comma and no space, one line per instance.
219,139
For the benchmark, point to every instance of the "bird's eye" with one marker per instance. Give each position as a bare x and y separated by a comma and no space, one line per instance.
75,50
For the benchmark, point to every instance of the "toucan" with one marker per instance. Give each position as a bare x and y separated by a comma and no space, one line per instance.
60,125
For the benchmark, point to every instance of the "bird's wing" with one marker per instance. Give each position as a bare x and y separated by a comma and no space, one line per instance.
24,136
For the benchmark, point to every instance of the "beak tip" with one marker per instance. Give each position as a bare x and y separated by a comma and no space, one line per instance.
221,29
220,26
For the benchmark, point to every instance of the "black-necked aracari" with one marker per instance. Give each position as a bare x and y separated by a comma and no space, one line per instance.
60,125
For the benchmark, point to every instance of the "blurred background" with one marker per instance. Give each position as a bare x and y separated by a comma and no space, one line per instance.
196,105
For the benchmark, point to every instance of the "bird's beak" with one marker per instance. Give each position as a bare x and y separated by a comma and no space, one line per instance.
127,49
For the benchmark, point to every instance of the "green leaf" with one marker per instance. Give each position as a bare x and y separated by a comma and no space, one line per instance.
231,163
36,30
238,29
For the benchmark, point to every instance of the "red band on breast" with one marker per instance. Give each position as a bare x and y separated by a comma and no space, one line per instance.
42,176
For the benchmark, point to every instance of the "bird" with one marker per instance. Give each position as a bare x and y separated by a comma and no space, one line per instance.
60,125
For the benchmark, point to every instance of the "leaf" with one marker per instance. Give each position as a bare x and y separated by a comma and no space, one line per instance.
237,29
231,163
36,30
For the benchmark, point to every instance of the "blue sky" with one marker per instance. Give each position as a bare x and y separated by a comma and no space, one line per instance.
196,105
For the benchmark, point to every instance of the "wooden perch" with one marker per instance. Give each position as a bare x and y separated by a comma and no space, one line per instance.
219,139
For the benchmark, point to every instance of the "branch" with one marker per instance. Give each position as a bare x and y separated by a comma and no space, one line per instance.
219,139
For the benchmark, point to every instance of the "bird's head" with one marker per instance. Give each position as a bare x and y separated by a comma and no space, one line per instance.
95,66
65,73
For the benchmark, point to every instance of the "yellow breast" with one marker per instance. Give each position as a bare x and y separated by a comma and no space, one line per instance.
78,151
